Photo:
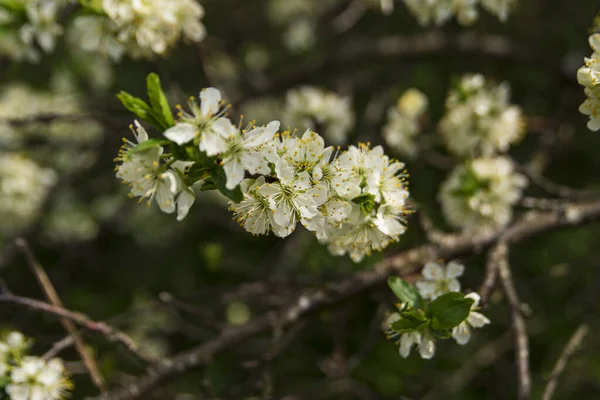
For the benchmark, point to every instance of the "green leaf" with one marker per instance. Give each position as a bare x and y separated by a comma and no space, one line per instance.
405,291
140,108
196,172
4,380
92,5
159,101
407,325
449,310
441,333
147,145
414,315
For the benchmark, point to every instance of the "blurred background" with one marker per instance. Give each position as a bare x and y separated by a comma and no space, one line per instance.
173,285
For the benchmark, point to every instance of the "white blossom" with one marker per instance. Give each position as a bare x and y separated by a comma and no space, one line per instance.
438,279
424,342
402,125
462,332
480,194
466,12
151,27
479,119
589,76
320,110
145,175
35,378
254,212
36,23
24,187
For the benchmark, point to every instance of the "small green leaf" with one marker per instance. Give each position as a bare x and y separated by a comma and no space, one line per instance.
407,325
159,101
414,315
405,291
449,310
4,380
441,333
147,145
92,5
140,108
197,172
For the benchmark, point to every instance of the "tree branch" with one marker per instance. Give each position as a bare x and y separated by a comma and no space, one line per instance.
520,330
569,349
405,263
88,359
110,333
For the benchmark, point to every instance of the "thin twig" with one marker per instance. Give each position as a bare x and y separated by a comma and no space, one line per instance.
110,333
497,255
569,349
520,330
52,296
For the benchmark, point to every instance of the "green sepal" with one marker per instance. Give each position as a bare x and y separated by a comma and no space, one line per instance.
366,203
159,102
449,310
405,291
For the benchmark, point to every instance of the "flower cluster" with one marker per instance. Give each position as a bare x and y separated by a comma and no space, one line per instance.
24,186
319,109
354,201
479,119
424,315
403,122
466,12
142,29
24,377
589,76
29,25
480,193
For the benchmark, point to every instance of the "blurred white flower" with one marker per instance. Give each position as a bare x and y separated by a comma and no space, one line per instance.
438,279
439,12
589,76
402,126
481,193
479,119
35,378
319,110
24,186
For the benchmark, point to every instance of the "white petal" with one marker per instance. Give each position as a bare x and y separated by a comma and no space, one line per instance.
184,203
427,289
181,133
475,297
461,333
453,285
210,98
407,340
234,172
225,128
140,133
433,272
284,171
427,348
477,320
454,270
